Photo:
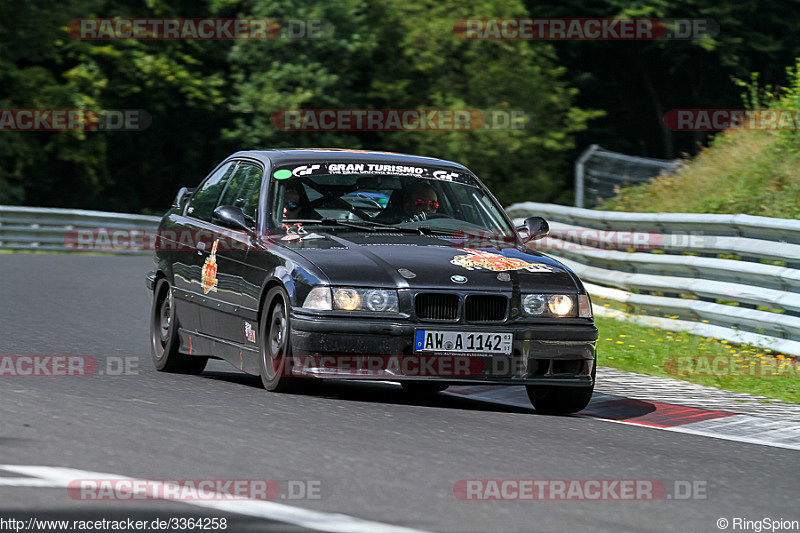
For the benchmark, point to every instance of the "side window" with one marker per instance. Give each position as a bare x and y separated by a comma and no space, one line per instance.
205,198
243,189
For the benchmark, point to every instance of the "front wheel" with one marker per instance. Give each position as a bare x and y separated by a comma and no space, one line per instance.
555,400
275,346
164,335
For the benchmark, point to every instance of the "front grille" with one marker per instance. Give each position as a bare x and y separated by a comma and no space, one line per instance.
485,308
436,306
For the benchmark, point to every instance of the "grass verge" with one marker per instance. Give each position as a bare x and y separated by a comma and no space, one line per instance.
702,360
751,171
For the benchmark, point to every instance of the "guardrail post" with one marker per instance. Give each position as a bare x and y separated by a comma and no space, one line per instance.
579,178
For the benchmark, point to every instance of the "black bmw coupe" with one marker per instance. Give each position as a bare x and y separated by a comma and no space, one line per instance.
323,263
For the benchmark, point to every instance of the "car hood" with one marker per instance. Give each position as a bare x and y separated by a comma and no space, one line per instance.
427,261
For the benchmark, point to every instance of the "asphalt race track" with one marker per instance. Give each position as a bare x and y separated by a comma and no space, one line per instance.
374,453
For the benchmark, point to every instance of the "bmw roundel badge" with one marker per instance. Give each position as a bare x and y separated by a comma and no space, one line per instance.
458,279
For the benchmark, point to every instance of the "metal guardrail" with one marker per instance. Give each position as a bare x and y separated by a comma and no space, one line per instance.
737,296
728,276
753,227
600,173
46,229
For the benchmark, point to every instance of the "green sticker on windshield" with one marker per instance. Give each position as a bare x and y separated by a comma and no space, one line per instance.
282,174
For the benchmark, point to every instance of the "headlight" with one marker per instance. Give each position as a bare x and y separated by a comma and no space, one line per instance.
548,305
559,304
584,306
534,304
380,301
319,299
369,300
347,299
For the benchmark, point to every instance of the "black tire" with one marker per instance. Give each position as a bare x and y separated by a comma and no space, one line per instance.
164,341
555,400
418,387
275,348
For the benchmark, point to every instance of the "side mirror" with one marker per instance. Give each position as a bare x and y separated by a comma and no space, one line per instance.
183,194
536,228
232,217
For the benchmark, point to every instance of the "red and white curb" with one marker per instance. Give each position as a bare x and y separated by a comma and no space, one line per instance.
679,392
714,423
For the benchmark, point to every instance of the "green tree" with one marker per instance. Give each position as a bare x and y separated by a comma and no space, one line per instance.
636,82
401,55
178,83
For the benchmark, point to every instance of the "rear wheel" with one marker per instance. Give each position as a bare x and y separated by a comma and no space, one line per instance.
416,387
555,400
164,340
275,346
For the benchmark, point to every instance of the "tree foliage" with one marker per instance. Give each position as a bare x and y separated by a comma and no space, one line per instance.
636,82
404,55
209,98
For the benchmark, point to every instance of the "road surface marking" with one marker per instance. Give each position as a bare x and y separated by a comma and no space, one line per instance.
60,477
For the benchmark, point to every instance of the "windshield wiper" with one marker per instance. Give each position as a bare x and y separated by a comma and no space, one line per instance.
485,237
437,231
376,226
357,224
422,230
373,226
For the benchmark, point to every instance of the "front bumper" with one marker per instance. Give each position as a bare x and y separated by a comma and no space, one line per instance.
369,349
150,280
150,283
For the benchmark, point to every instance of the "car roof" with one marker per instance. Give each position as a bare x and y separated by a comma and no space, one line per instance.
281,155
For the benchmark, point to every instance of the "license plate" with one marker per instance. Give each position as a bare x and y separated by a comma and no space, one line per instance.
460,342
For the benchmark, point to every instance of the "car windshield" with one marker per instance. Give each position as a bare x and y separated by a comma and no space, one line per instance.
378,194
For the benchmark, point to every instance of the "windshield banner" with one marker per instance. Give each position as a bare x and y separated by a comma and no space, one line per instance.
364,168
